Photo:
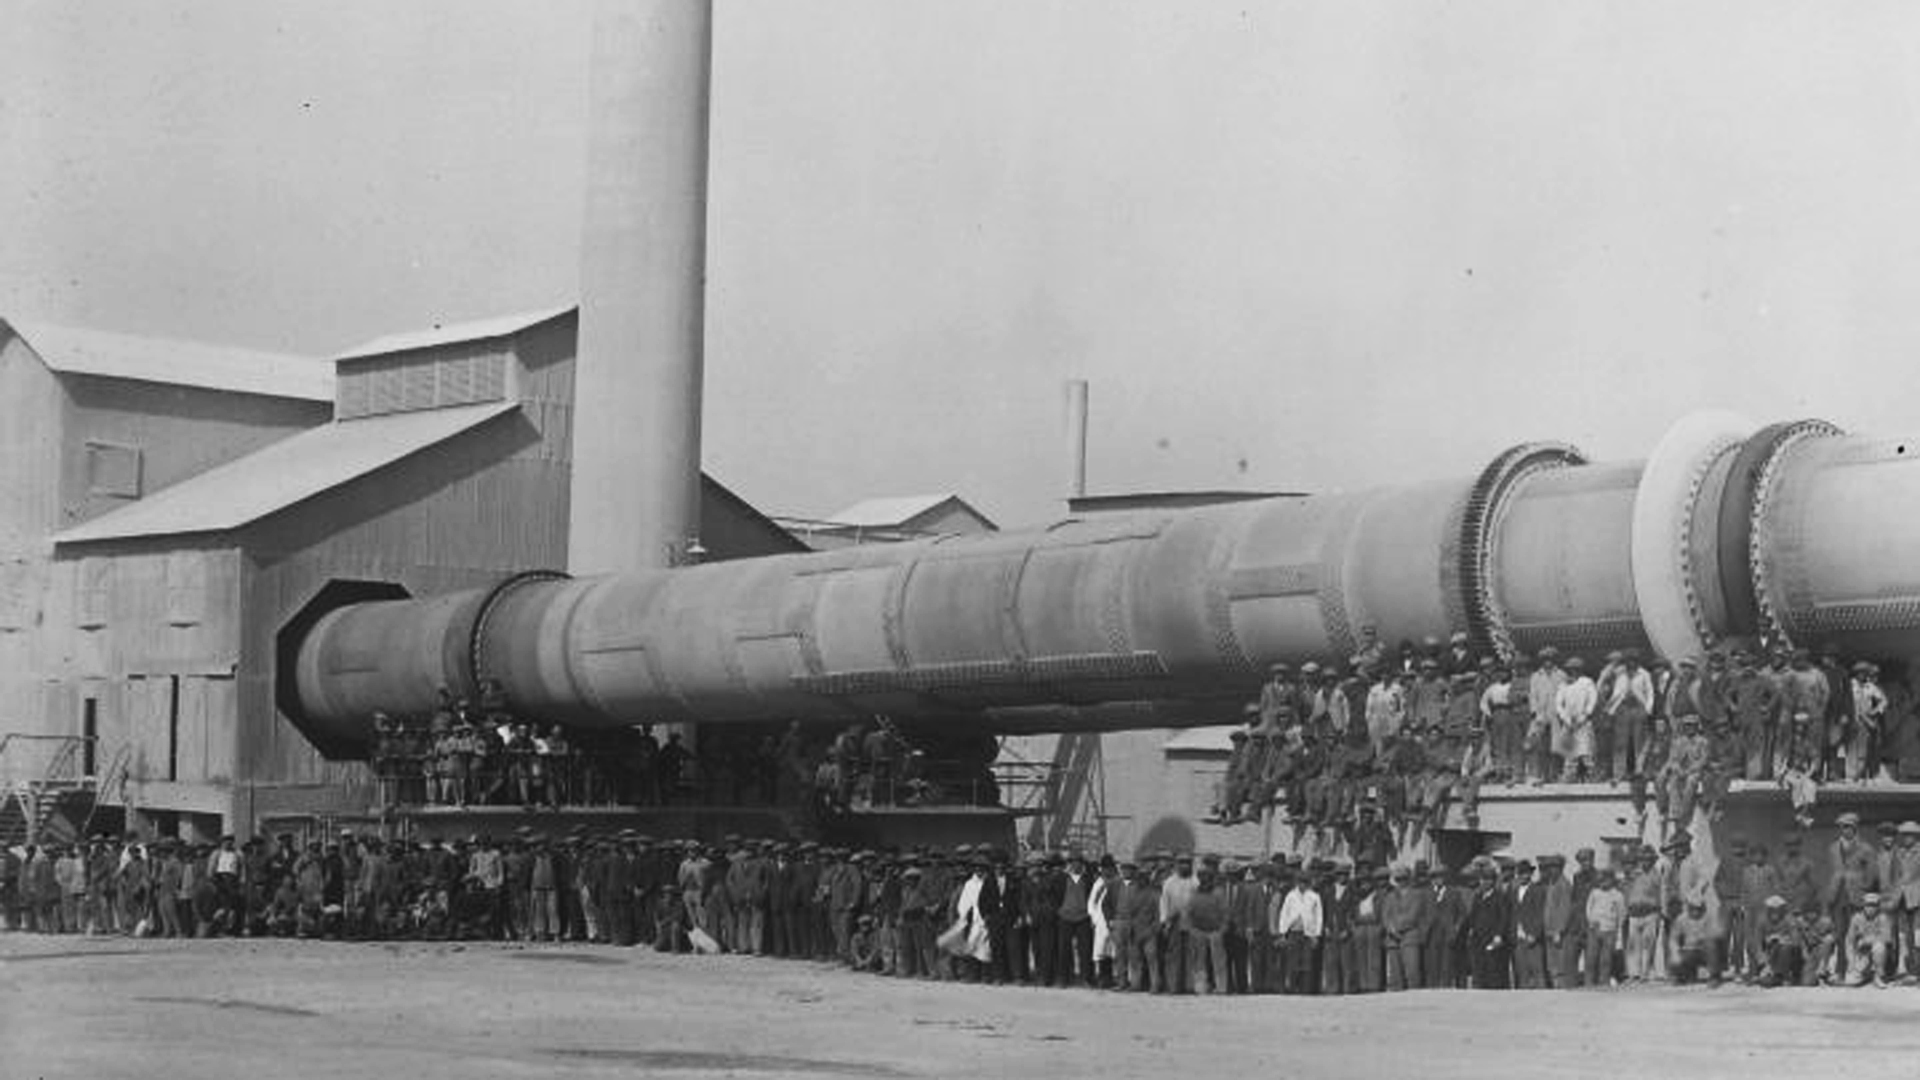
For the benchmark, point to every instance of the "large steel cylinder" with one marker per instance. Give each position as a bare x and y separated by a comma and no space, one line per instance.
1164,618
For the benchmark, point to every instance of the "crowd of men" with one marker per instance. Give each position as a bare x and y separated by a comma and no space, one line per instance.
1387,743
468,753
1168,923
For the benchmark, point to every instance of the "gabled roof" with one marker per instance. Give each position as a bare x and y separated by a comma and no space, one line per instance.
454,333
896,511
277,476
72,351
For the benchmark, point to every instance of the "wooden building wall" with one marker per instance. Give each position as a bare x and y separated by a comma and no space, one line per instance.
174,432
29,505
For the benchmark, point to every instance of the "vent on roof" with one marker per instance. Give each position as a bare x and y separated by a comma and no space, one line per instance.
436,379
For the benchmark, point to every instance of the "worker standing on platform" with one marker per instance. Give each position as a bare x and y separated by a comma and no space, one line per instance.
1544,742
1629,705
1573,714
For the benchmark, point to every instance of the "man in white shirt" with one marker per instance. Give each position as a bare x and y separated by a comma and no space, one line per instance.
1629,704
1386,711
1176,895
1297,927
1573,714
1543,739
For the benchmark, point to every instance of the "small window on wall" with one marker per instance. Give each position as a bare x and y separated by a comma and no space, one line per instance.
113,470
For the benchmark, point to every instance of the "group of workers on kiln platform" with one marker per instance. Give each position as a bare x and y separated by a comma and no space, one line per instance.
1388,742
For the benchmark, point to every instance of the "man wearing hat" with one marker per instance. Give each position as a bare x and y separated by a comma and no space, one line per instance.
1530,944
1853,872
1869,719
1868,942
1297,928
1279,701
1629,704
1489,930
1543,693
1573,717
1176,894
1903,893
1406,916
1692,936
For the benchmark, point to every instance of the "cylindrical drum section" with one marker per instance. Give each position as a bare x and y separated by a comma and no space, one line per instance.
1562,572
1396,564
1837,533
389,656
1267,584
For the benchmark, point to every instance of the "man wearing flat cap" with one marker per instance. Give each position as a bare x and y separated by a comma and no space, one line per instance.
1573,716
1868,942
1542,744
1853,872
1904,893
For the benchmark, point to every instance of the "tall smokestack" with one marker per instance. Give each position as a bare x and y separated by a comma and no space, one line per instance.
636,418
1076,438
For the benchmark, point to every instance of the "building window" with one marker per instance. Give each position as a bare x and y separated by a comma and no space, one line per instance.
113,470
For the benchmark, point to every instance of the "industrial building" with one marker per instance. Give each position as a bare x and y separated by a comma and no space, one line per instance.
173,510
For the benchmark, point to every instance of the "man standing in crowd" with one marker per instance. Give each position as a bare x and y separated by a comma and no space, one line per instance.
1298,930
1573,718
1851,874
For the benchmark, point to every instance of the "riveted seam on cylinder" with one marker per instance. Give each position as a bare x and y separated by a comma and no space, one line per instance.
1774,552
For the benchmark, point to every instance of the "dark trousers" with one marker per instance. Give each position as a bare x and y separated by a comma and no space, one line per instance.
1019,954
1235,942
1302,958
1530,965
1260,966
1075,965
1046,949
1437,962
1491,968
1173,950
1000,946
1337,975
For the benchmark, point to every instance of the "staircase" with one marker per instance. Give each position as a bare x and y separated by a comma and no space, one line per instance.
41,803
1065,804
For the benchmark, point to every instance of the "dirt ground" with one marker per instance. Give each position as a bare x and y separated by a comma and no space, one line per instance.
98,1008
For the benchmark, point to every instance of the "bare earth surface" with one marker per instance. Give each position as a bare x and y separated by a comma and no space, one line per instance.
100,1008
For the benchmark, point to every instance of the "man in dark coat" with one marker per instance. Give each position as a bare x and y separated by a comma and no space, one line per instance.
1489,929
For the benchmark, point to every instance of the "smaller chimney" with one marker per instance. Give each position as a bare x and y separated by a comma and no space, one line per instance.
1076,438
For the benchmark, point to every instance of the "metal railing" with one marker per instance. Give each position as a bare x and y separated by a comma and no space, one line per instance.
34,787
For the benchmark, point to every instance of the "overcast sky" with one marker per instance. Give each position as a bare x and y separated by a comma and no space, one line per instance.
1342,243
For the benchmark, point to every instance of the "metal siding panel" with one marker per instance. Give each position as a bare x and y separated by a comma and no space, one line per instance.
355,395
490,378
417,386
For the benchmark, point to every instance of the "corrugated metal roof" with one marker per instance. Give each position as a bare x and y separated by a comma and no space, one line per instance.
454,333
888,513
231,495
74,351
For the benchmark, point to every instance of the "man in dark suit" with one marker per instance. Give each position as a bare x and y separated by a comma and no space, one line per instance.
999,905
1338,974
1441,965
1529,929
1489,930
